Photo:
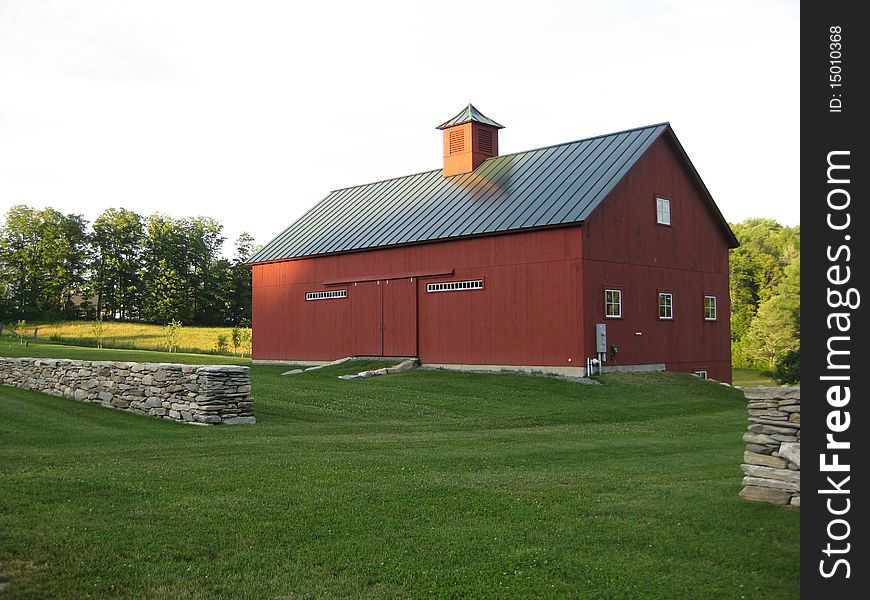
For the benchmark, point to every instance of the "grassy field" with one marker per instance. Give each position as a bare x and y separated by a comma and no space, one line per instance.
142,336
11,347
426,483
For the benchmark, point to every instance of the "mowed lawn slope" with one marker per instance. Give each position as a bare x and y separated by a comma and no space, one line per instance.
420,484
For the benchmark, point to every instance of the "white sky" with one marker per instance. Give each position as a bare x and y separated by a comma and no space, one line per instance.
251,111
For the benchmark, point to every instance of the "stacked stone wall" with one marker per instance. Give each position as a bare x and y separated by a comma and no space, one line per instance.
772,459
205,395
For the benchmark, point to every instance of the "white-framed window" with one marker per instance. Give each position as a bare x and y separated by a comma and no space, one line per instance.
613,304
700,374
663,211
327,295
709,308
666,305
455,286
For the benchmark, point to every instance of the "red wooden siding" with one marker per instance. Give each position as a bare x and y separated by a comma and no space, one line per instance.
625,248
529,312
399,321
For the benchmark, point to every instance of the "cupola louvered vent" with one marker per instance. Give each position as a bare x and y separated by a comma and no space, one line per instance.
484,141
457,141
470,138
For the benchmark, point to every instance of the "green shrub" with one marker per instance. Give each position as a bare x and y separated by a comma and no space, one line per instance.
99,328
221,346
236,339
172,332
788,367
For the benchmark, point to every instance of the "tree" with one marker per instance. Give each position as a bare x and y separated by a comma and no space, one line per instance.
164,299
99,329
20,330
788,367
118,241
157,269
757,269
204,241
182,260
69,263
42,261
172,333
775,330
165,276
247,341
221,346
19,260
236,339
239,302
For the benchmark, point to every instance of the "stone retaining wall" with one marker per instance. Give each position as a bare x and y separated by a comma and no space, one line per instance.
196,394
772,460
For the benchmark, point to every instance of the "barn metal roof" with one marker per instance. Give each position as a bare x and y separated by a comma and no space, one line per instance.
468,114
549,186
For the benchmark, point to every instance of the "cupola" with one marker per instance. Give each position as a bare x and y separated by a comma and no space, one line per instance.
469,139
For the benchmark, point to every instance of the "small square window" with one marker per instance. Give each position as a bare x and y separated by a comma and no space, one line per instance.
613,304
663,211
666,305
700,374
709,308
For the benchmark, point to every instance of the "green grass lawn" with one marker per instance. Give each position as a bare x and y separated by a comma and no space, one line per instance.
426,483
751,378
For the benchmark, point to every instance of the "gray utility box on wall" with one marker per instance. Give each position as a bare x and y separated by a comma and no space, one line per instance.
601,338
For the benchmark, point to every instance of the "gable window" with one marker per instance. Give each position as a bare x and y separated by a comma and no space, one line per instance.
613,304
330,295
663,211
709,308
455,286
666,305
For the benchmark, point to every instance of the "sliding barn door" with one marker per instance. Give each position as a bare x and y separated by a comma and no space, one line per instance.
399,317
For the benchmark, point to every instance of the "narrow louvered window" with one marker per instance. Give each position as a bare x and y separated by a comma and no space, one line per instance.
326,295
457,141
455,286
484,141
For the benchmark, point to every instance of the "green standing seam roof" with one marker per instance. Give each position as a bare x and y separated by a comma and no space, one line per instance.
548,186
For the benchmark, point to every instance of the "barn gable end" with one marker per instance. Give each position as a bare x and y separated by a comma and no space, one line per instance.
626,249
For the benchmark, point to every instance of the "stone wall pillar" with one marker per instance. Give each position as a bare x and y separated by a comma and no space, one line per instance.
225,395
772,459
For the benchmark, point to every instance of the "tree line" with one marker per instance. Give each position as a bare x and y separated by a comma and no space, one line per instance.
765,298
124,266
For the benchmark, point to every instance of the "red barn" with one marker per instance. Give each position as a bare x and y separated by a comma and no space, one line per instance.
509,261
